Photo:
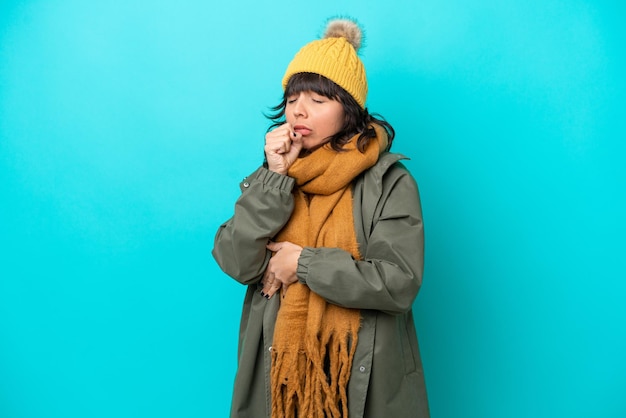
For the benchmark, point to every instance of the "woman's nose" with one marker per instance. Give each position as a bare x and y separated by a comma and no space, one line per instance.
298,108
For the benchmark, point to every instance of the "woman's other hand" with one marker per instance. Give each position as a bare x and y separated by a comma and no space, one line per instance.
281,269
282,146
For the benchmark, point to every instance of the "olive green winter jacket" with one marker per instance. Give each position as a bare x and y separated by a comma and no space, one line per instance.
387,378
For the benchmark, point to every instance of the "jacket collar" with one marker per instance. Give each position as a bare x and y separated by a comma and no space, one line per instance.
386,160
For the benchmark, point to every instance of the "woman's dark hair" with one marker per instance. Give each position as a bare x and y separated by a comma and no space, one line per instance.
357,119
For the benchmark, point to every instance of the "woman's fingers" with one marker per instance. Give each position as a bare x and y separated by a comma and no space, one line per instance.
282,267
282,146
279,140
270,284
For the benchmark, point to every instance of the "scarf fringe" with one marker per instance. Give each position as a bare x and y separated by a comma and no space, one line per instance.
326,364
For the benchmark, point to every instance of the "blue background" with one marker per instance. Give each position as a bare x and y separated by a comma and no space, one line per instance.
125,127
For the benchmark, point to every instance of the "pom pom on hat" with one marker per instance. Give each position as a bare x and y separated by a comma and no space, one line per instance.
346,28
335,57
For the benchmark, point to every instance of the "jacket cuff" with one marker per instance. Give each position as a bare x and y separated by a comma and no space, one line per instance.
303,264
270,179
275,180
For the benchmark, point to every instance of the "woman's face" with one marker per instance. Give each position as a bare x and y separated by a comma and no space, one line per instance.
315,117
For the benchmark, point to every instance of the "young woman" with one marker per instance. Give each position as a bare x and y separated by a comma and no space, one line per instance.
328,237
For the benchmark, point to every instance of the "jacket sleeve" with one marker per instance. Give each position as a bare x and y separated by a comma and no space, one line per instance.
390,274
262,209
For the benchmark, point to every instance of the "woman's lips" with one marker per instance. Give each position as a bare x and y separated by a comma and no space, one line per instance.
302,130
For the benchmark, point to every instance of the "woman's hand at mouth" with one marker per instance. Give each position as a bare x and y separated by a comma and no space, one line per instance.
282,147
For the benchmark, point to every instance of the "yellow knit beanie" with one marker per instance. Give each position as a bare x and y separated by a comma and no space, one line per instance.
335,57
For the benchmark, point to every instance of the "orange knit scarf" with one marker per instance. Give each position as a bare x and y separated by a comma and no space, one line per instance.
315,341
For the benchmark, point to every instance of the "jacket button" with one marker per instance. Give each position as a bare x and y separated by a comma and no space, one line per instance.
246,184
362,369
